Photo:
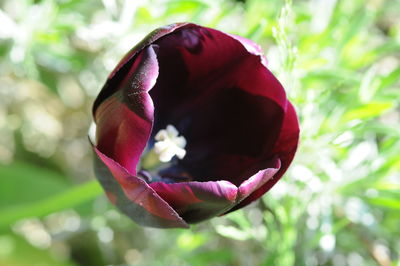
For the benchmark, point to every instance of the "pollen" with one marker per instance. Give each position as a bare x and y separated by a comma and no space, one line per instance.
169,143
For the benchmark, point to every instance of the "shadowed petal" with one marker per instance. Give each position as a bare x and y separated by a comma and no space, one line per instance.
124,120
285,149
230,136
214,58
133,196
288,139
197,201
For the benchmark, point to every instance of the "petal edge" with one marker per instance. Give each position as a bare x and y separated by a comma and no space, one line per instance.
133,196
198,201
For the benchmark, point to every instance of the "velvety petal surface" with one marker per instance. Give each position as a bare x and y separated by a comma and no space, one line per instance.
124,120
285,148
133,196
197,201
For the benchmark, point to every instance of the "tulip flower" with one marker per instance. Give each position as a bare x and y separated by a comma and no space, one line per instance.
190,125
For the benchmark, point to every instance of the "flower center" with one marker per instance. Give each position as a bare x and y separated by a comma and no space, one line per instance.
168,144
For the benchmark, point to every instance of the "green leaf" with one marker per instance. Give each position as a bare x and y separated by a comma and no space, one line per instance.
22,182
387,186
335,75
257,31
390,203
369,110
61,201
184,6
353,29
390,79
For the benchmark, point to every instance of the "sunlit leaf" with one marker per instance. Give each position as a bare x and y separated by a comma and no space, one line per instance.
391,203
369,110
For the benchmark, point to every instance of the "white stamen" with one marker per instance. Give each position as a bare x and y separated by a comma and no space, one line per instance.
169,144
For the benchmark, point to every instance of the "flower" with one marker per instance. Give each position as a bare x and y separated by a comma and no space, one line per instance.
191,124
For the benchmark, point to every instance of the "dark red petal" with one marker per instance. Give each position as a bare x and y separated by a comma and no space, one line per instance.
124,120
258,180
226,60
288,140
124,66
148,40
251,47
197,201
133,196
285,149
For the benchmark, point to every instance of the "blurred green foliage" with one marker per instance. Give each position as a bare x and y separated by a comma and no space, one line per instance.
339,204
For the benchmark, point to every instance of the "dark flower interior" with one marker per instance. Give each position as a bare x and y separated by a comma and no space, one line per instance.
209,89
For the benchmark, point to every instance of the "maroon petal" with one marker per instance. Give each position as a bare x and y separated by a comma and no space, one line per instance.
251,47
148,40
288,140
214,58
124,120
285,148
258,180
123,67
197,201
134,197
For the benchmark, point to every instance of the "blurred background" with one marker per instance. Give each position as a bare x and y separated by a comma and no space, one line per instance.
339,204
